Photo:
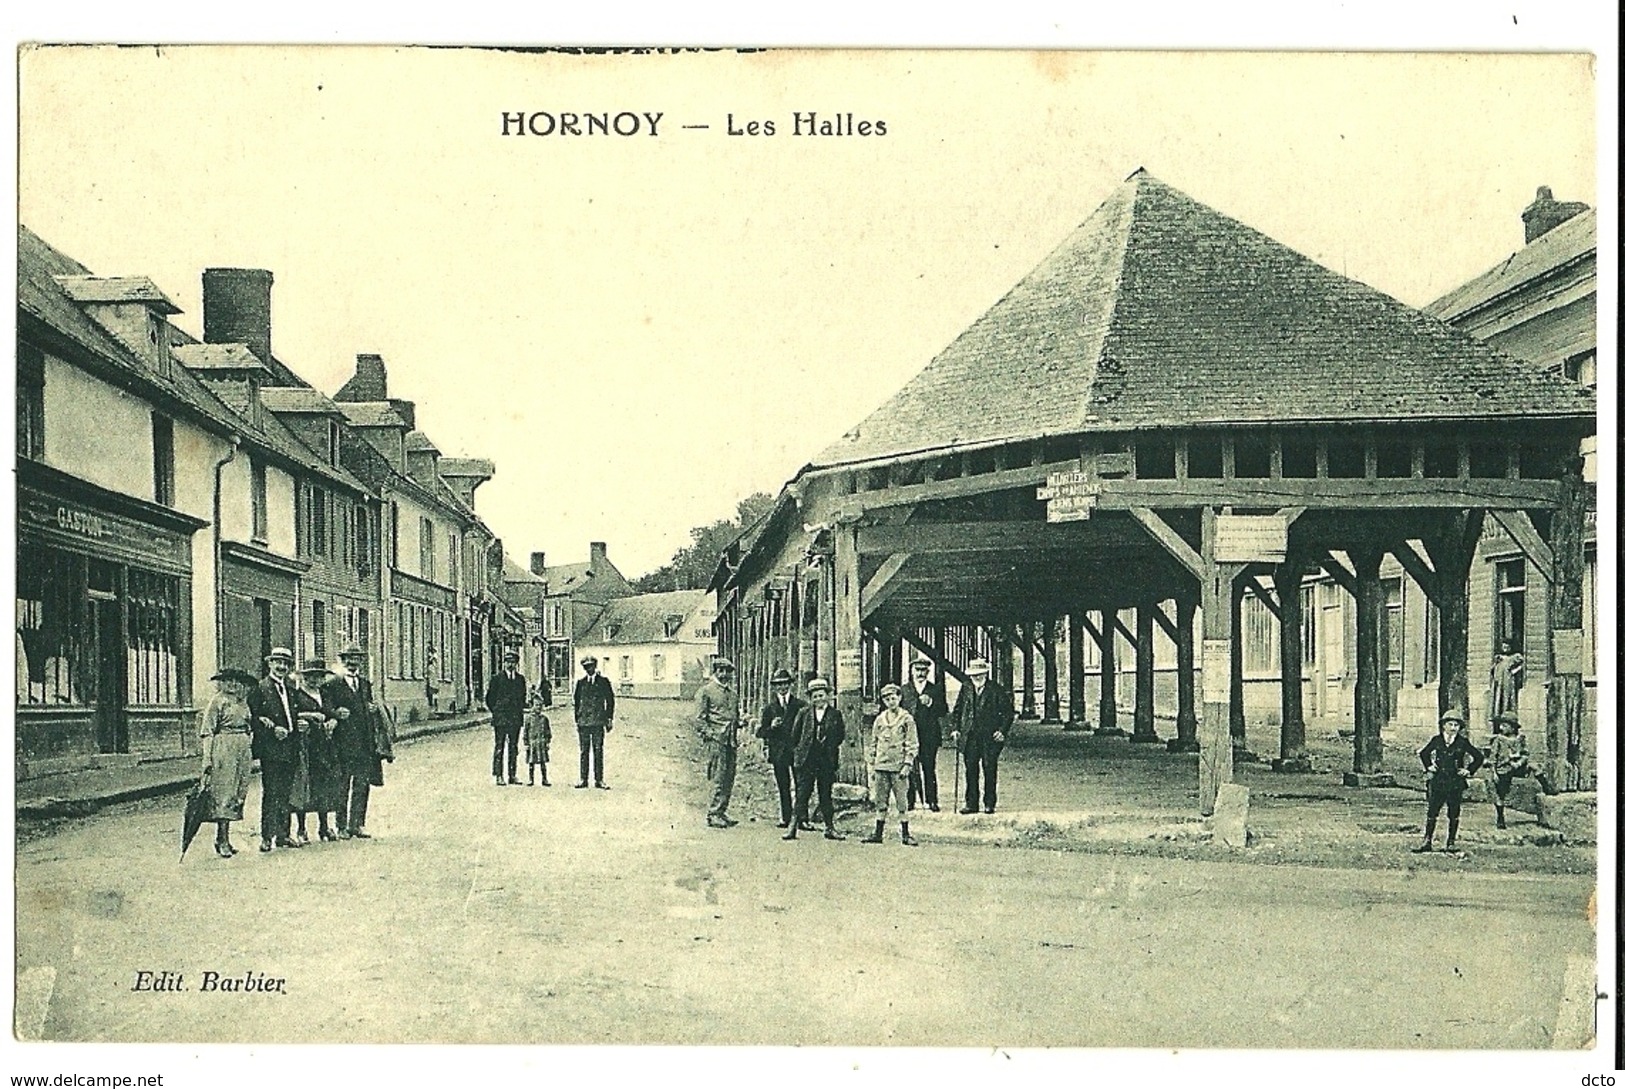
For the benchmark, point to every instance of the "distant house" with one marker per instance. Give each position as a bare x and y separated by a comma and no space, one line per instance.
654,645
576,593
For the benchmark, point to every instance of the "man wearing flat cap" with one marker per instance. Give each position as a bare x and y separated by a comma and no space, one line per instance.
272,705
505,697
815,745
778,715
716,717
981,725
595,717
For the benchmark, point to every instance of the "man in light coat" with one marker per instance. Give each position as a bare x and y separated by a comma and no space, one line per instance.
981,725
716,718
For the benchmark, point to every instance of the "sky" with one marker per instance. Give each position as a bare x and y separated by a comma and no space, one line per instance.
639,331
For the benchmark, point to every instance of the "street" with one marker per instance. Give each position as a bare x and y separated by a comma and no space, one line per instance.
532,915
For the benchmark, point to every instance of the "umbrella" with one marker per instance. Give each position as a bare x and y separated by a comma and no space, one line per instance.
198,802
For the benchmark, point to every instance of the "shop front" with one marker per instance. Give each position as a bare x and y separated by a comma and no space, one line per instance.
104,623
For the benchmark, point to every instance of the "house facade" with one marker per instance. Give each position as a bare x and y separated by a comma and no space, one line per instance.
654,646
575,596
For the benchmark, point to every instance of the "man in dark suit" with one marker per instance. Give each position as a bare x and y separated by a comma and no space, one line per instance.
981,725
778,716
815,752
349,695
595,717
505,697
927,701
271,707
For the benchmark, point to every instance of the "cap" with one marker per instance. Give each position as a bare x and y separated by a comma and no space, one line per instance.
719,662
280,652
922,663
589,660
781,676
1509,716
1456,715
352,650
890,690
978,665
313,665
510,656
818,684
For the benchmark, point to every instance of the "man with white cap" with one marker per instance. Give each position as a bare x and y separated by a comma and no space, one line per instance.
981,724
271,707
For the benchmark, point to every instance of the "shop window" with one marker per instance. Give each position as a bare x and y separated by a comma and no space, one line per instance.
30,402
151,611
52,635
262,524
163,460
1510,587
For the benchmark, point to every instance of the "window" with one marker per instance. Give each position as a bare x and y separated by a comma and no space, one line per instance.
318,521
1308,607
151,607
363,541
1332,631
558,618
262,610
626,667
363,630
657,667
318,628
30,402
426,548
332,442
395,534
1430,643
52,633
262,530
1582,368
163,460
453,560
1259,651
1394,626
1509,604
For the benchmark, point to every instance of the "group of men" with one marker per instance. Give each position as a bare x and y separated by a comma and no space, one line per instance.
804,737
508,695
334,746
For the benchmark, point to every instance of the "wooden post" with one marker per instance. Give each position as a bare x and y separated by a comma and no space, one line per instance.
1370,669
1029,707
1453,549
1052,683
1289,592
1108,675
1185,662
1565,691
1238,690
848,663
1215,768
824,662
1145,676
1004,654
1075,714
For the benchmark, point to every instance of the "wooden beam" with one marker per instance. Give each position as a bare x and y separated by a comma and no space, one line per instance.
1339,494
1417,568
1340,574
1089,626
1164,535
884,583
937,656
1128,636
1163,622
1524,535
1022,537
1250,582
954,488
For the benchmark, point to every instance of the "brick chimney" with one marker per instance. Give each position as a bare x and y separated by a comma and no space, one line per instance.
237,308
538,564
1546,213
371,381
600,552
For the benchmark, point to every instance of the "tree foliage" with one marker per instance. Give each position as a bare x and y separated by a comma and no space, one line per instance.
691,568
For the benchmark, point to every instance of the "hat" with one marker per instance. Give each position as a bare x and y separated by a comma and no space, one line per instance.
890,690
280,652
352,650
922,662
978,665
1509,716
1456,715
817,684
719,662
313,665
781,676
510,656
241,676
589,660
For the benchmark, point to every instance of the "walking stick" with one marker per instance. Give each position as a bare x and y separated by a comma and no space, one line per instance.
958,797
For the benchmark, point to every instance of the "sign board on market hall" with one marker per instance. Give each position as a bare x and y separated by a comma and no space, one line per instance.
1250,538
1069,496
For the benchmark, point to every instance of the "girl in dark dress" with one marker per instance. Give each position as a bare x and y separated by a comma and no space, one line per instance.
1450,760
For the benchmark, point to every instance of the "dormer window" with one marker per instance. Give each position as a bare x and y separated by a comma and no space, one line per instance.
612,630
332,442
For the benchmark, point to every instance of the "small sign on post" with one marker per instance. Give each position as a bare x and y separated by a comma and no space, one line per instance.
1250,538
1070,496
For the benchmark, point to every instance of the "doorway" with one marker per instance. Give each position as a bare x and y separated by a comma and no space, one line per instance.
109,661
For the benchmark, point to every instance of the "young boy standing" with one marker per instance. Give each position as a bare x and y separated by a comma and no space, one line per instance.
893,746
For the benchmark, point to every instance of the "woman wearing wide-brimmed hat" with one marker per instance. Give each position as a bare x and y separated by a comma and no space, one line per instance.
228,763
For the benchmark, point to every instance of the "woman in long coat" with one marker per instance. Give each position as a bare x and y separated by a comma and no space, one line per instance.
228,762
321,754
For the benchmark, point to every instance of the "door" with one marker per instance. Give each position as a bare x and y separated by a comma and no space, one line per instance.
110,658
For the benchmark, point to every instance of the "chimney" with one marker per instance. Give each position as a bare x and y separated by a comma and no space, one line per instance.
600,552
371,381
237,308
538,564
1546,213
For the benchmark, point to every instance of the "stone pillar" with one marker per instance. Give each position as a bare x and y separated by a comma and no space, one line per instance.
1108,675
1075,713
1185,661
1052,682
1289,592
1145,676
1370,669
1215,768
1565,691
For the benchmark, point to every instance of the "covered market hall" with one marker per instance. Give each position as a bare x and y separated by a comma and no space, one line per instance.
1171,411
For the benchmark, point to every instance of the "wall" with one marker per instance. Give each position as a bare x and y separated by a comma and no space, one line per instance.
97,432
